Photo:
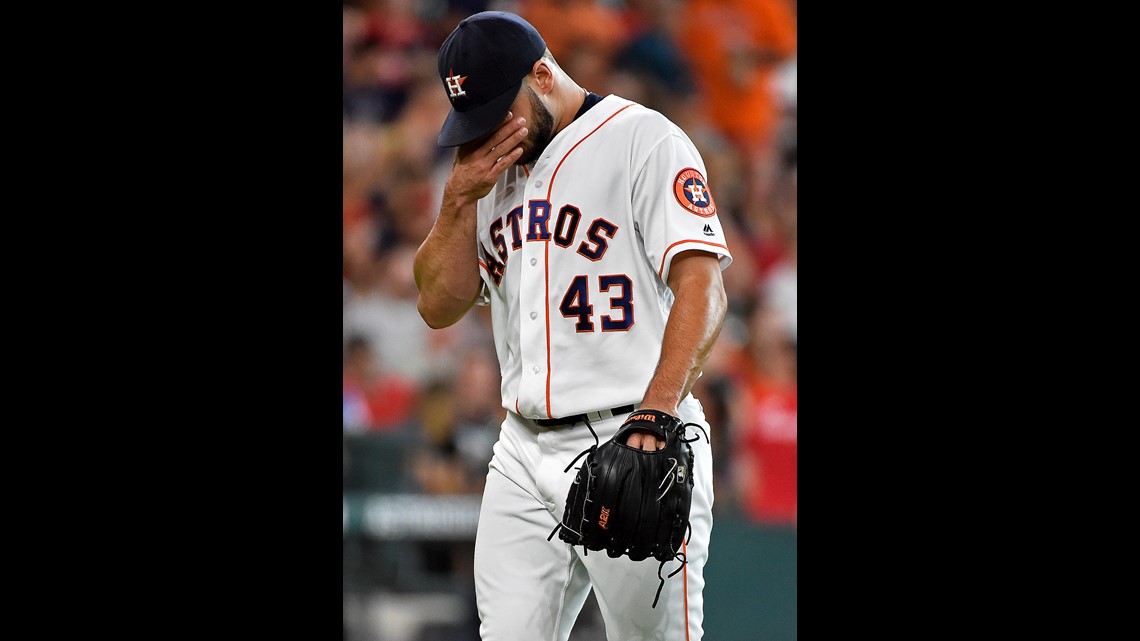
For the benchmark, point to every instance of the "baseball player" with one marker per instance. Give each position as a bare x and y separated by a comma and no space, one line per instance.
588,225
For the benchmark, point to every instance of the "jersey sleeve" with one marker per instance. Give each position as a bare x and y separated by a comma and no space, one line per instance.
674,207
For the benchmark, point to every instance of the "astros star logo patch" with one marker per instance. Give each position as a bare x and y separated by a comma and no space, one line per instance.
455,84
693,193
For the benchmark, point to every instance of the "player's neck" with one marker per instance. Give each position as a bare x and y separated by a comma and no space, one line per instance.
571,104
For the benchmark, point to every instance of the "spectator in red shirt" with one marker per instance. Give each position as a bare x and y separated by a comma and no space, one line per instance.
765,464
374,400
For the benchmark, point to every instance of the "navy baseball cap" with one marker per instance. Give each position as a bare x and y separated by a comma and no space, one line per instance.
482,65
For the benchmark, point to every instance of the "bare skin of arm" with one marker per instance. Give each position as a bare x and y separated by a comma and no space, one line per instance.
447,264
695,321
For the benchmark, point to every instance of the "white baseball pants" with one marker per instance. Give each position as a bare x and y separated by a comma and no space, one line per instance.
531,589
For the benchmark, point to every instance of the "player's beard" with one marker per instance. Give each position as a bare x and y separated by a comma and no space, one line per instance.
541,130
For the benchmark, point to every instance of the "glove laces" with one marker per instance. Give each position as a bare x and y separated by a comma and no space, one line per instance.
679,555
590,473
695,437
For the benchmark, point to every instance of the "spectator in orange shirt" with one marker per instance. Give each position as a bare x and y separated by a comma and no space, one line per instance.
735,46
583,35
566,24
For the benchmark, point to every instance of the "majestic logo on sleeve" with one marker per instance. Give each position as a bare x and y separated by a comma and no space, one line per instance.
455,85
693,194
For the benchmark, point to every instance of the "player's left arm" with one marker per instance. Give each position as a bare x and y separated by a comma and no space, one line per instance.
695,321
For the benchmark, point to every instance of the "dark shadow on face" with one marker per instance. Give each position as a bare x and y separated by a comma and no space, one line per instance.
541,129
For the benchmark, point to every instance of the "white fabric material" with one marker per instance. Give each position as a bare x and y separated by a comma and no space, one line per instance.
615,171
530,588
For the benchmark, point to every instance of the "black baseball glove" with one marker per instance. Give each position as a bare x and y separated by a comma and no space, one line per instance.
630,501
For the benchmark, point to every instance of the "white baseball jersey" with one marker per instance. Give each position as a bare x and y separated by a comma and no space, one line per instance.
575,251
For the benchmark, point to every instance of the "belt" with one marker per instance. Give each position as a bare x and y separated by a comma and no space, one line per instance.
578,418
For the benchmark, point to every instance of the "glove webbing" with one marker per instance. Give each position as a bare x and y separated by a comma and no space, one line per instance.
677,556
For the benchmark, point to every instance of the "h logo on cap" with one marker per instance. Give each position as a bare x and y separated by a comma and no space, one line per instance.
499,49
454,85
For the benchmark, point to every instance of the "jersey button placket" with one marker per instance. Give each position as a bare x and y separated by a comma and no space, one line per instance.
532,334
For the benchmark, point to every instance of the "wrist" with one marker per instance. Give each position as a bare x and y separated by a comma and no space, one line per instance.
660,406
456,202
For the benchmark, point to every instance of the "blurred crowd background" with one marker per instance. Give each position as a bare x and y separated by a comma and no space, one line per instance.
421,406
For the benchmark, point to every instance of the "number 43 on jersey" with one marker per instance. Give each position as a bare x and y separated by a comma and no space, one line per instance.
576,302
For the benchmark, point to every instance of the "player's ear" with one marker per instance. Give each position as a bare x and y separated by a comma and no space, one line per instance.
543,76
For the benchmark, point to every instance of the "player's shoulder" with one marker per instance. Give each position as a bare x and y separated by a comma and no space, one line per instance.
638,117
646,129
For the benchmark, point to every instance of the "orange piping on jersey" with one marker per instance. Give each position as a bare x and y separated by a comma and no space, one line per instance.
546,268
679,242
549,190
550,186
685,583
526,170
484,266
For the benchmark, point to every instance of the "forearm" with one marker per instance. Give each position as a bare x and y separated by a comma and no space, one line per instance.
446,265
695,322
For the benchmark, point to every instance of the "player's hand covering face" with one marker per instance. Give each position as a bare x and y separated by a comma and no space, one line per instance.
479,164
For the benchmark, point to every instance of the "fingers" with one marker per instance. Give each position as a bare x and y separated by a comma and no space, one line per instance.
481,146
480,163
645,441
504,158
506,161
496,136
505,137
